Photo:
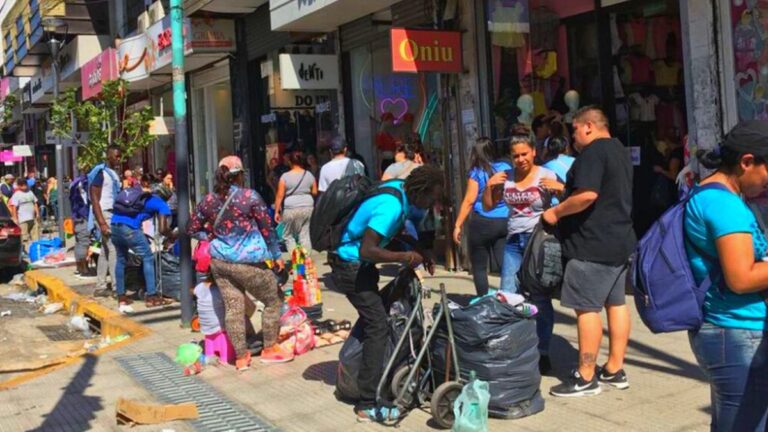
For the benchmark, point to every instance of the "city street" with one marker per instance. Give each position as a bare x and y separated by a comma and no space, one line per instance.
667,389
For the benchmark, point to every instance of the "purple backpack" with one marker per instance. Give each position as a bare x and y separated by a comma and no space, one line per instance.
666,294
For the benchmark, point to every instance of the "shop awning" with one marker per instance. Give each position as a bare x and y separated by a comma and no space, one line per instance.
222,6
320,15
205,41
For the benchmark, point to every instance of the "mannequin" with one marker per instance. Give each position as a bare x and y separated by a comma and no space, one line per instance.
525,105
572,101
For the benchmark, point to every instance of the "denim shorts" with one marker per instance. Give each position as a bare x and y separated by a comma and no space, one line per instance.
588,286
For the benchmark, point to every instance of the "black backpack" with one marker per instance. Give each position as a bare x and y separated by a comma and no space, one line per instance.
541,271
337,205
130,201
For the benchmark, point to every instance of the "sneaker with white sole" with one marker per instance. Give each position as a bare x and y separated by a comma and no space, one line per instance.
617,379
577,386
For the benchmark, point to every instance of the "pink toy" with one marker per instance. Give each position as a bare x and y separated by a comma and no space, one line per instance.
218,344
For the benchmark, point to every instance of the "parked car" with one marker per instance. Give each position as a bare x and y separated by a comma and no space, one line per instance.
10,240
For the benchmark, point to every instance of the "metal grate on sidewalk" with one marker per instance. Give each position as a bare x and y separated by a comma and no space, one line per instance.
163,378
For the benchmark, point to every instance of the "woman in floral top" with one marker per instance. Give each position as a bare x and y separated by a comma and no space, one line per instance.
243,243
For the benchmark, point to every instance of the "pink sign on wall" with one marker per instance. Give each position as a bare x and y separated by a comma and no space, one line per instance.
5,85
7,156
97,71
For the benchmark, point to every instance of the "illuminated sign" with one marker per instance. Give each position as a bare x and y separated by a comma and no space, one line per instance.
426,51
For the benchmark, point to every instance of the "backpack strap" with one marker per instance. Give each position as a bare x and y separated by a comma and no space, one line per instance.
223,207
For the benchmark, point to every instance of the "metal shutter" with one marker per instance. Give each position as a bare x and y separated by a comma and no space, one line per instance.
359,32
259,38
412,13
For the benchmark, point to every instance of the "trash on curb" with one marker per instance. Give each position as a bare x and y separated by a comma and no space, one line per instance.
18,279
80,323
20,297
125,309
5,313
131,412
52,308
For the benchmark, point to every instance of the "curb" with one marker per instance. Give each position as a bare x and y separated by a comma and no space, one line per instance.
111,323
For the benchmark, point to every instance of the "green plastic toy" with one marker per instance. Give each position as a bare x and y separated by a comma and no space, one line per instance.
187,354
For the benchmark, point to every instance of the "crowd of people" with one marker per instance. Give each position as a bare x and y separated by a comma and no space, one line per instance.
576,178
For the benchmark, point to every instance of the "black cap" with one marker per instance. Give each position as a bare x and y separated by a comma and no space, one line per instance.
750,136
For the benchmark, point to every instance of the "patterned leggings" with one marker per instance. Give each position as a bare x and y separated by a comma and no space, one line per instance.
233,281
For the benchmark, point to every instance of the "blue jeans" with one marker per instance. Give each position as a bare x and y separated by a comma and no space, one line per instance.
513,259
125,238
736,364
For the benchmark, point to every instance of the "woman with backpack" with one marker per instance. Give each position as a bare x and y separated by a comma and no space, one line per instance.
243,249
488,228
520,189
294,202
724,243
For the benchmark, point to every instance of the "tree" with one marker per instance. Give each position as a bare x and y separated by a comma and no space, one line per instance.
107,121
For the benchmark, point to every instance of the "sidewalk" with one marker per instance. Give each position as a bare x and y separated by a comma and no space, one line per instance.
668,392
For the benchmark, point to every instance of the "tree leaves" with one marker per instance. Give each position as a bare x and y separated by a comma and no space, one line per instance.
107,121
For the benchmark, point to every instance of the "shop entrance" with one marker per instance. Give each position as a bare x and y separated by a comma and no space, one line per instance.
212,132
626,59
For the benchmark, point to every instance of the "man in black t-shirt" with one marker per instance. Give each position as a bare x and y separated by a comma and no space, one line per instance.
596,226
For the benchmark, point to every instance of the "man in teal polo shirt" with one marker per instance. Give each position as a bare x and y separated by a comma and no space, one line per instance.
376,222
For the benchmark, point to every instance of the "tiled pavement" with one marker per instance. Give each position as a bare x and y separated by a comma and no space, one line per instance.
667,390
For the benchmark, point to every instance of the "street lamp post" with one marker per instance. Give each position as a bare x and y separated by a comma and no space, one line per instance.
52,25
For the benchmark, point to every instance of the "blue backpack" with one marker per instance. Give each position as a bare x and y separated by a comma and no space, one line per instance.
666,294
130,201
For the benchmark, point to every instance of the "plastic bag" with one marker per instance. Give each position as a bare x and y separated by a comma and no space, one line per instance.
296,333
471,407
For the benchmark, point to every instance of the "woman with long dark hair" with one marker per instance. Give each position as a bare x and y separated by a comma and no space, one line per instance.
294,201
725,244
488,227
521,191
243,247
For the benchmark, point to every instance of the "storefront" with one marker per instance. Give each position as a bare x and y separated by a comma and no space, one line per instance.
549,58
294,98
207,43
391,95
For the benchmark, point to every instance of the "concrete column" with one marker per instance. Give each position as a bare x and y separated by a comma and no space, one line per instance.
703,79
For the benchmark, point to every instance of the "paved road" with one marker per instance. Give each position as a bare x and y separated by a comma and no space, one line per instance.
667,391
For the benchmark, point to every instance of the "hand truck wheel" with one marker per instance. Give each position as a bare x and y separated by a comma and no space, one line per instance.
441,405
398,381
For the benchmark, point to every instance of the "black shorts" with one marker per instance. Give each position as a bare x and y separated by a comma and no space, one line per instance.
588,286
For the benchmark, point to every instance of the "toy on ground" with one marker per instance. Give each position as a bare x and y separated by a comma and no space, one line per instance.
305,291
188,355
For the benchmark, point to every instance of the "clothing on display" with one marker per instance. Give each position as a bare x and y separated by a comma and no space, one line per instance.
639,68
667,74
643,107
507,24
547,64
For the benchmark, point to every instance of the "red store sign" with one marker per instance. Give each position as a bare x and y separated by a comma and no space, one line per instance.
426,51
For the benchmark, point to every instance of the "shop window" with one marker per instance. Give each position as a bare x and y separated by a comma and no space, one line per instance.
391,108
750,52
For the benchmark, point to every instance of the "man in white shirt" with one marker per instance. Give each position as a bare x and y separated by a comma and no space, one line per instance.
340,166
104,185
25,211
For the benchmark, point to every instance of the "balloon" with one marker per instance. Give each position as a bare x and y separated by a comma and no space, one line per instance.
188,353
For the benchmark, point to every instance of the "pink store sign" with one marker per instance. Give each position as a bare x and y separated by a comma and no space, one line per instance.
97,71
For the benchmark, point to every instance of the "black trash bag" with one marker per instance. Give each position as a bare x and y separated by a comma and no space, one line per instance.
501,346
134,273
399,299
170,275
